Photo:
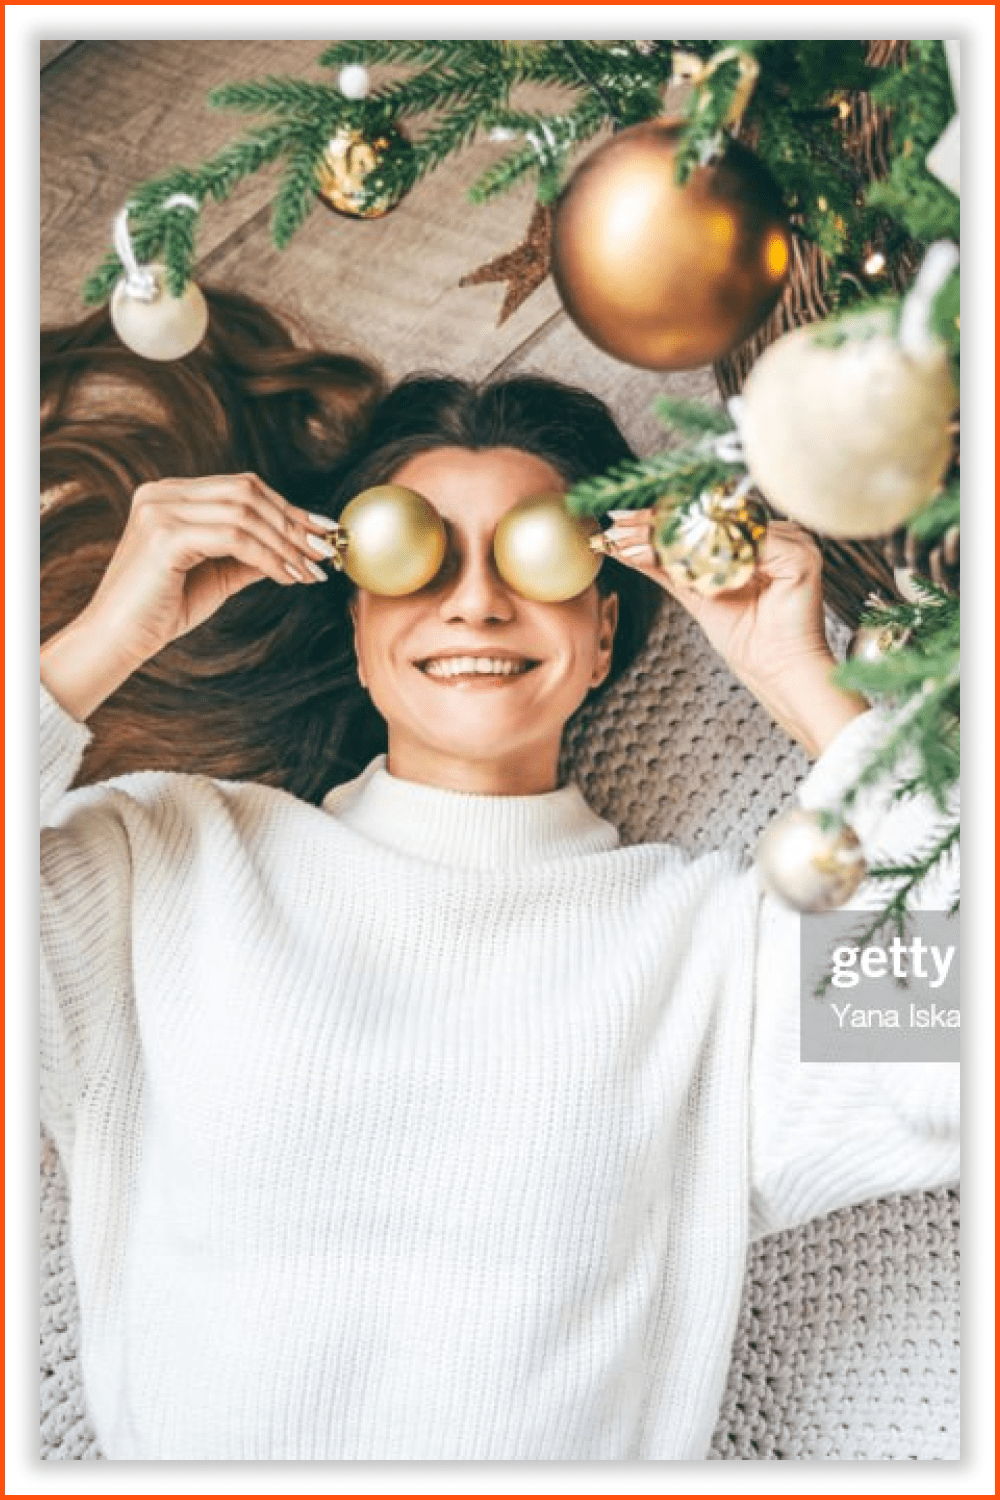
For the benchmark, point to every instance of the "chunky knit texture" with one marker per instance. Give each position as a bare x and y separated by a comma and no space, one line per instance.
416,1126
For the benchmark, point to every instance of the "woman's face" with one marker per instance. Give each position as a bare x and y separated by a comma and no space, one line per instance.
491,733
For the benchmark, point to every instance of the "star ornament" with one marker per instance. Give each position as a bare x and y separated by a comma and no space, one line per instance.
944,158
524,268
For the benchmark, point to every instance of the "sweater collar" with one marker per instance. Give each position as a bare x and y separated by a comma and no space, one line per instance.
470,829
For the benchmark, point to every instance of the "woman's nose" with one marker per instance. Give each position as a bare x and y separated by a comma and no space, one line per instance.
474,590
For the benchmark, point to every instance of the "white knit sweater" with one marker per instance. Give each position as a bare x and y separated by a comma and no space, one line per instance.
428,1125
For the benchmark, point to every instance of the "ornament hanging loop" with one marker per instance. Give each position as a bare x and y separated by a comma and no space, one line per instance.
140,282
915,333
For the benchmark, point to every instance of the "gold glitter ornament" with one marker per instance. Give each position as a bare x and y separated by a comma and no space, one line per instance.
873,643
545,553
350,158
662,276
807,865
711,546
389,540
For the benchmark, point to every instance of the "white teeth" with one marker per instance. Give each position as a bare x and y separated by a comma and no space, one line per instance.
482,666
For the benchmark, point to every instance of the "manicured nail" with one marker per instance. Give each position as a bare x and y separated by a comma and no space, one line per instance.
315,569
294,573
323,522
644,550
321,545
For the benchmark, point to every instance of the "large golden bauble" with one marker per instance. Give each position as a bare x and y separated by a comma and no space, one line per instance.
714,544
395,540
543,552
849,438
164,327
662,276
349,158
808,866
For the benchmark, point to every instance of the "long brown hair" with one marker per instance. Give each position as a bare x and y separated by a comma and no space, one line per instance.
264,689
267,689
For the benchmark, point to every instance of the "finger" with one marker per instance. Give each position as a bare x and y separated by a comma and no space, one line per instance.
307,534
238,517
185,546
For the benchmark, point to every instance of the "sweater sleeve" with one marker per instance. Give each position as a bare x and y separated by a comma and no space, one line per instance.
85,920
825,1135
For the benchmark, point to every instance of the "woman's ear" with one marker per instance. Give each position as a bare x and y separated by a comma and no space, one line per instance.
352,606
607,624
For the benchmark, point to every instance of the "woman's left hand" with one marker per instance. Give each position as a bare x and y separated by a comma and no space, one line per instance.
771,633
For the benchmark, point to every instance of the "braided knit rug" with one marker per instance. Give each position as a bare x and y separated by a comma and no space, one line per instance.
848,1338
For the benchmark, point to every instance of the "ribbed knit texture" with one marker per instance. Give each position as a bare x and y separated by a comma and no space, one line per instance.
416,1126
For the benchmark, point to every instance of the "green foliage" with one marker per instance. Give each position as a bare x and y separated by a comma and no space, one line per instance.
920,97
681,474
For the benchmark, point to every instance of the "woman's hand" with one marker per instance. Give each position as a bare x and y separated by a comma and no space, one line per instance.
188,546
771,633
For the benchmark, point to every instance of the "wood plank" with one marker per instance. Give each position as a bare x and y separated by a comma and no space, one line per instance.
49,51
561,352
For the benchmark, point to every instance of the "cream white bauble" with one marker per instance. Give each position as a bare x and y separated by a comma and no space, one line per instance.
163,327
850,437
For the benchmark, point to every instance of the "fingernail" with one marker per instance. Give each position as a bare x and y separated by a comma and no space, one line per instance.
320,544
643,550
315,570
294,573
323,522
619,515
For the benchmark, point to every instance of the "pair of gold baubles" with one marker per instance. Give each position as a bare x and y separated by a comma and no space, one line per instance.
390,540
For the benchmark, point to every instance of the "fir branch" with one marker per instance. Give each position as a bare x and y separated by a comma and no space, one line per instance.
944,511
179,249
420,53
693,418
639,483
296,198
558,136
308,101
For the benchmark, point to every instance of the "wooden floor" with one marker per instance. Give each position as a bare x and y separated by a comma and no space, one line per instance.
116,113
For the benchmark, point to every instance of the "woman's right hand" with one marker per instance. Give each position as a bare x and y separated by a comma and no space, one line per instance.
188,546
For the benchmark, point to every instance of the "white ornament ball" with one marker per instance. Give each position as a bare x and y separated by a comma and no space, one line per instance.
849,439
164,328
807,865
353,81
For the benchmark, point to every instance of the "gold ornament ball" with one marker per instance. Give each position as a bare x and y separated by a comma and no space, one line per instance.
394,541
848,438
543,552
808,866
713,546
873,643
661,276
351,157
165,327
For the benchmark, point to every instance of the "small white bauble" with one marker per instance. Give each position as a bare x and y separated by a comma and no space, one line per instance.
353,81
808,866
164,327
849,438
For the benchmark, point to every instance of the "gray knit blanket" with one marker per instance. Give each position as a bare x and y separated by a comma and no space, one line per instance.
848,1338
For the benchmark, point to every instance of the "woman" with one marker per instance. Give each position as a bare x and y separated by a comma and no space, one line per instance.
428,1122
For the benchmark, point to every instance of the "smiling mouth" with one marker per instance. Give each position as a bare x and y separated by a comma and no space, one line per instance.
482,671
